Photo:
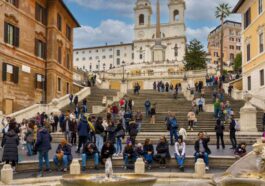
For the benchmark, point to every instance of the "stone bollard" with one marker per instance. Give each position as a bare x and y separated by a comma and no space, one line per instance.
75,167
139,166
7,174
199,168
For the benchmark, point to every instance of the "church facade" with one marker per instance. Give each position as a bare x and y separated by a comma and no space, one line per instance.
153,43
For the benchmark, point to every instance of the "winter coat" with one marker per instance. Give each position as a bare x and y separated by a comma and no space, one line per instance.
133,129
29,136
107,152
66,151
99,128
73,126
232,126
43,143
91,146
83,127
219,128
162,148
64,127
148,148
111,133
205,145
10,144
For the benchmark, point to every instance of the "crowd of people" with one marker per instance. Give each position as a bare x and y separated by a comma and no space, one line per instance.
161,86
99,138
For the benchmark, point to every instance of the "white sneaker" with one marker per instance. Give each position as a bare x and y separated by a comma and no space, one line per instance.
207,168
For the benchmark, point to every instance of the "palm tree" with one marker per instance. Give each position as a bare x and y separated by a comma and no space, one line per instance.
222,12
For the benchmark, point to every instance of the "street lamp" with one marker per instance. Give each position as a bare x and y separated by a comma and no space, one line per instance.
123,65
104,65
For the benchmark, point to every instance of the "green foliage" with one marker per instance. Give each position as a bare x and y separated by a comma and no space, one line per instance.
195,58
238,62
222,11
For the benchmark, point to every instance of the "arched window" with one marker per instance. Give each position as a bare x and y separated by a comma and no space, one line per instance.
176,48
176,15
141,19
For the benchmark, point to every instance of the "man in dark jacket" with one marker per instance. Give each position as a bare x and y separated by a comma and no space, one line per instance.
83,132
133,131
232,128
107,151
219,129
66,128
43,146
202,150
162,150
90,151
173,128
63,154
100,133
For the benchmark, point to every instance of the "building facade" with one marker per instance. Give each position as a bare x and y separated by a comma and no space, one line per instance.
103,57
36,45
232,43
253,37
172,40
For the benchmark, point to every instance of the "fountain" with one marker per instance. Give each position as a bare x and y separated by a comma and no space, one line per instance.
109,179
248,171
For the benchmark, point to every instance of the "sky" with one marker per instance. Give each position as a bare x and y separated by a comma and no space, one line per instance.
112,21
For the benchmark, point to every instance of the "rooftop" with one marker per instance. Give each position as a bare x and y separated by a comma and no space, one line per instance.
238,5
104,46
70,13
225,23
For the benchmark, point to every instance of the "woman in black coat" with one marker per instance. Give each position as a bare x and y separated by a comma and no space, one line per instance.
10,145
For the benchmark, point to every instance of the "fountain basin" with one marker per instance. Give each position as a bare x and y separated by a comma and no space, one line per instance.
116,180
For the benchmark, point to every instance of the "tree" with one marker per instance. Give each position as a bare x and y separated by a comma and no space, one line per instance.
195,58
222,12
238,63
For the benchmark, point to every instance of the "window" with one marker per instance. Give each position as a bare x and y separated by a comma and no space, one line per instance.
215,54
249,82
40,49
216,62
232,57
248,52
76,53
238,47
141,56
67,88
231,39
59,88
176,50
59,57
90,58
118,61
261,42
238,40
39,80
103,57
11,35
141,19
89,51
261,74
97,57
231,47
68,32
77,59
96,66
110,56
110,49
90,67
10,73
97,51
110,66
84,58
13,2
103,50
260,6
118,52
247,18
68,66
176,15
59,22
40,14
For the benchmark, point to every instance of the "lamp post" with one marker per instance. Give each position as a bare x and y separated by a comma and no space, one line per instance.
123,71
104,65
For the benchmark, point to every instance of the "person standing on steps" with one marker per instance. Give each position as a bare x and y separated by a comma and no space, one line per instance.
147,105
76,100
219,129
232,128
153,114
191,119
71,97
83,132
173,125
139,120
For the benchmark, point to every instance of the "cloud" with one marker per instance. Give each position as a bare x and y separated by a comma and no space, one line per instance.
109,31
204,10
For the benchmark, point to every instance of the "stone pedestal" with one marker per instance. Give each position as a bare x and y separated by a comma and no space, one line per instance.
7,174
139,166
199,168
248,117
75,167
123,88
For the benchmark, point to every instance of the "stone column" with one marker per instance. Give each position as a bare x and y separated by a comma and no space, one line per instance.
75,167
139,166
123,88
248,116
199,168
7,174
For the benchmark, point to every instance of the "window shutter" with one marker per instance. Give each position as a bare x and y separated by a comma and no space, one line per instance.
36,47
4,72
16,74
6,32
16,36
44,16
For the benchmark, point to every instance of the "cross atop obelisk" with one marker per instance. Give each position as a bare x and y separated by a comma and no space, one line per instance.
158,32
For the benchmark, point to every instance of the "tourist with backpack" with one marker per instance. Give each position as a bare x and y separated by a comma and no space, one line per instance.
173,126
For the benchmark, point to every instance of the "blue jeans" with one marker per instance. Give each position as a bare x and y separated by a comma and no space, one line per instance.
85,157
180,160
204,156
148,158
173,133
99,142
119,145
216,112
147,111
45,156
128,159
29,149
65,161
139,124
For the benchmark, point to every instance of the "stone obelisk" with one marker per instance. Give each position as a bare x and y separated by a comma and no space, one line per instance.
158,48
